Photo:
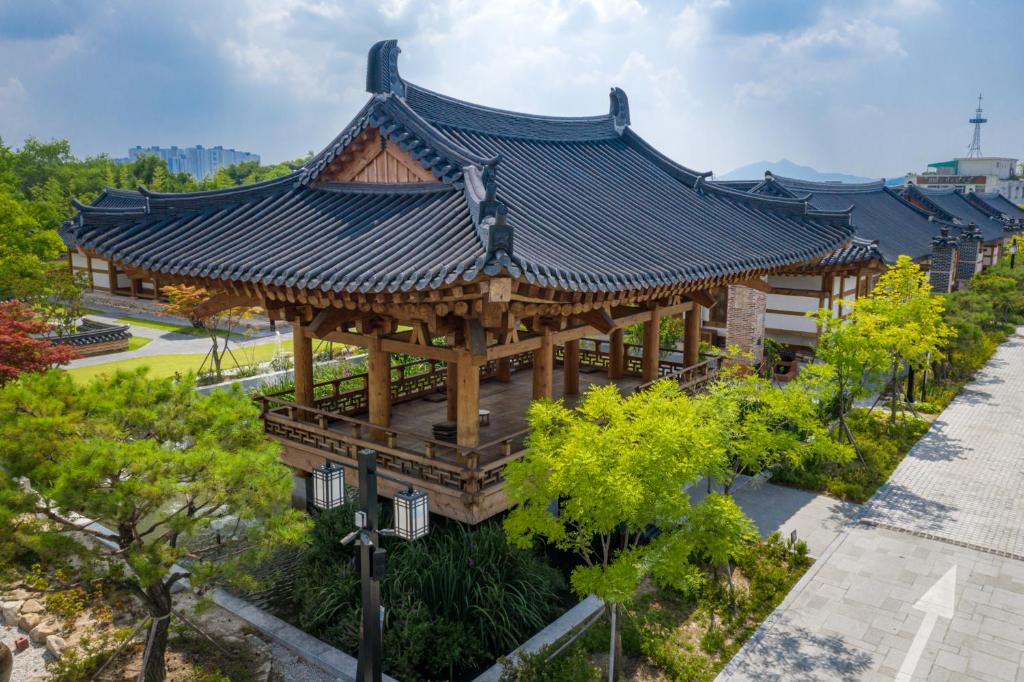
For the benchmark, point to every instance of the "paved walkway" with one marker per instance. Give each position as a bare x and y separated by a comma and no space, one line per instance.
930,584
168,343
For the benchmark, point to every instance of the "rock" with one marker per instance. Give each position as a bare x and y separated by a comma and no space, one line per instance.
29,621
17,595
11,609
32,606
55,645
6,662
40,632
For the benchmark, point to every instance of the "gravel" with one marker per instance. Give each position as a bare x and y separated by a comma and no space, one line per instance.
291,667
30,663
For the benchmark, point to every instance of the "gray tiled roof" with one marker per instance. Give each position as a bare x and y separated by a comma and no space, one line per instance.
879,214
951,205
857,251
578,203
998,204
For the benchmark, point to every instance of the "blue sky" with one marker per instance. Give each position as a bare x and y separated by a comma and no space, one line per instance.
866,87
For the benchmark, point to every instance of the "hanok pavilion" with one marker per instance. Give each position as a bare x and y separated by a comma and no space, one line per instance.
507,251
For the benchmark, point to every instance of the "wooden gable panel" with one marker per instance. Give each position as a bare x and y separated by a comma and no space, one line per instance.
370,158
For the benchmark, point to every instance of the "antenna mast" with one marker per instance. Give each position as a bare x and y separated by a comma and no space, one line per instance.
974,151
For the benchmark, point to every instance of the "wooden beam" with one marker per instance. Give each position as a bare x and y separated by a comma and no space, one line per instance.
476,340
543,368
571,368
221,301
691,338
652,347
756,283
302,357
616,354
599,319
451,384
702,298
503,370
329,319
395,346
378,385
468,419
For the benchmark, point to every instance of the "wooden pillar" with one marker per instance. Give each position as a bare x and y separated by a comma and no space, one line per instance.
503,370
571,365
616,354
378,385
543,366
468,418
302,356
451,383
652,352
691,339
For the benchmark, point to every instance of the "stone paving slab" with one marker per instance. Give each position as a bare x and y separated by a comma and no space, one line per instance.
964,481
853,616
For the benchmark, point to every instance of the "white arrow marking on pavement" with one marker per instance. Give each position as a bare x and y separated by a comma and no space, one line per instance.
937,601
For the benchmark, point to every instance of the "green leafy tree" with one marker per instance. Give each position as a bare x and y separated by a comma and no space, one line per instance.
719,530
595,478
27,248
670,331
852,363
762,426
903,319
155,463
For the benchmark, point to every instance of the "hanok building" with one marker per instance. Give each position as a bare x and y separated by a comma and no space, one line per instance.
507,250
974,238
999,207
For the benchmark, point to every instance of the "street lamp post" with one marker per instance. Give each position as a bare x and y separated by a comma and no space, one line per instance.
1013,253
412,521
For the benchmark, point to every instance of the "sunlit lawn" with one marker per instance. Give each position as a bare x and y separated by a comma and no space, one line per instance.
168,365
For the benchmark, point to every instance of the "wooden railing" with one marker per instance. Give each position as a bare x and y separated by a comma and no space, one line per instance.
331,427
691,379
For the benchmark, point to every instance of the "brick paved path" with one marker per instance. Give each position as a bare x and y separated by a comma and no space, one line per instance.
955,502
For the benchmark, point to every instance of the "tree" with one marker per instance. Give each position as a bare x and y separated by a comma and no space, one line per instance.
193,303
26,248
718,529
670,331
158,465
903,319
852,360
594,480
762,426
20,349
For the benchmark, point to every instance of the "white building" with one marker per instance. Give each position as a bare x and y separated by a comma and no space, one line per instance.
979,174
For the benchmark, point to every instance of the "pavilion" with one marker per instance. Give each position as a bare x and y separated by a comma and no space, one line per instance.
504,253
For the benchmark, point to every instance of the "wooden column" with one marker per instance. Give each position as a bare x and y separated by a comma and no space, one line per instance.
616,354
503,370
652,353
571,365
468,419
543,366
452,386
302,355
378,385
691,339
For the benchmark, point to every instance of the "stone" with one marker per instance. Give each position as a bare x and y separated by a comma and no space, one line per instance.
32,606
17,595
28,621
55,645
11,610
6,662
40,632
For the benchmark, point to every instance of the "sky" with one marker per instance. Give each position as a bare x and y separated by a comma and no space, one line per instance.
868,87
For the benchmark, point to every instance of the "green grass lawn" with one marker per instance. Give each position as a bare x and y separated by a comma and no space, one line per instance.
156,324
168,365
137,342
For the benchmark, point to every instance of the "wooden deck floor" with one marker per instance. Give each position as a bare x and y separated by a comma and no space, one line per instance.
507,402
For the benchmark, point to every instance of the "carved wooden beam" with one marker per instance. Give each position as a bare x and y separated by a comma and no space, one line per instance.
219,302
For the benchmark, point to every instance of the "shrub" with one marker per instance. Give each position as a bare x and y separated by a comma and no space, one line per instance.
454,600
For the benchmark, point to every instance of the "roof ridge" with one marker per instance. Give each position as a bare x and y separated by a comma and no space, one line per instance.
825,185
518,114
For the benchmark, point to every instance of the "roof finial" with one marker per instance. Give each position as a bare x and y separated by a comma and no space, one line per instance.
382,69
619,108
500,235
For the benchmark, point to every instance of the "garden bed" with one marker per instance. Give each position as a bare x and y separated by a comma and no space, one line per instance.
671,635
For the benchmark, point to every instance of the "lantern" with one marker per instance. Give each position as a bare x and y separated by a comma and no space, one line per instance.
328,485
412,518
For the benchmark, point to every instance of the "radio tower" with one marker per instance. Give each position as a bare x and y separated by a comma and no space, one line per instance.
974,151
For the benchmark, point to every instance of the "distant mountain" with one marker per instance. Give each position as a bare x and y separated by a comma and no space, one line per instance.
788,169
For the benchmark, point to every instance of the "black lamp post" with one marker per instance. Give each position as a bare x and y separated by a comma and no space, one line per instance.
1013,253
412,521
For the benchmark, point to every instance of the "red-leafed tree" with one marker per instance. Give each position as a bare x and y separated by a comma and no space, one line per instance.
20,348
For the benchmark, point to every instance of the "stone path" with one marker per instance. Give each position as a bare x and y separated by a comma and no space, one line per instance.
817,519
168,343
947,523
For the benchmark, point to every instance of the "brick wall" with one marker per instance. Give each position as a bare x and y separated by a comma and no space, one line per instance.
943,262
969,262
745,325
